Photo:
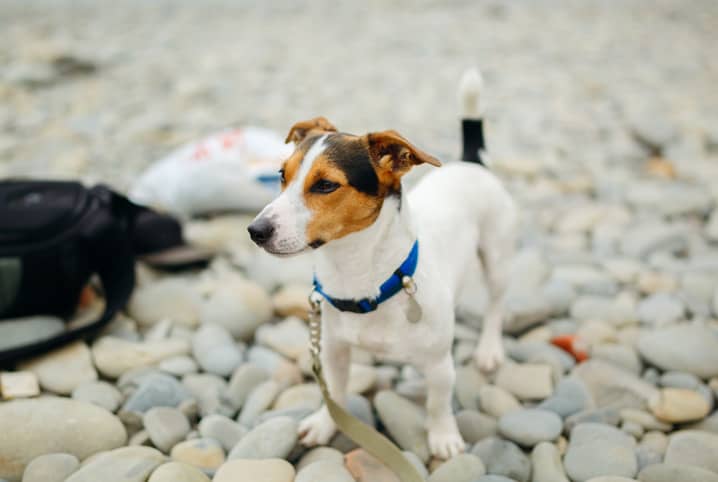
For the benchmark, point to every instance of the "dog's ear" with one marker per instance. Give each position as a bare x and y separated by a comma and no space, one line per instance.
391,152
301,129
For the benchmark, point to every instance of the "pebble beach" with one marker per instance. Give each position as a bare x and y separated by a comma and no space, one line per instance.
601,119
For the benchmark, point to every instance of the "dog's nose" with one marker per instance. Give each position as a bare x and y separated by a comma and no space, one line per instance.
261,230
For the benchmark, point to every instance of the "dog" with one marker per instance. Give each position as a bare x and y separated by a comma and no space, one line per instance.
343,198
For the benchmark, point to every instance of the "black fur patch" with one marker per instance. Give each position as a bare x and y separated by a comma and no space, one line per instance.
352,157
316,243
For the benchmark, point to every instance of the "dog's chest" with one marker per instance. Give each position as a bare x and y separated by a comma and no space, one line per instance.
383,332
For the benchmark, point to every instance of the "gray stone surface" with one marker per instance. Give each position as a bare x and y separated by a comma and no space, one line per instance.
597,449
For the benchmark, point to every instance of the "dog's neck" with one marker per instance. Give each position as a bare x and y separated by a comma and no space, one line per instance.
354,266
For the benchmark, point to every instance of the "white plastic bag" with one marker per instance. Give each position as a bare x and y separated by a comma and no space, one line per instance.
232,170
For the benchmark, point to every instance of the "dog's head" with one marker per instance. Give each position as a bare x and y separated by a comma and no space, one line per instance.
333,184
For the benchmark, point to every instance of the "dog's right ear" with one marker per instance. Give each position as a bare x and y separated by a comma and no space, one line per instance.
300,130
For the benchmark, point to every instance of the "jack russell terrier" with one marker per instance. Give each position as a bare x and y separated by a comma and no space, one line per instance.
391,263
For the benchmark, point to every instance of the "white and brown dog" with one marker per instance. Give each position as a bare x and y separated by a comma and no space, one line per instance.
342,197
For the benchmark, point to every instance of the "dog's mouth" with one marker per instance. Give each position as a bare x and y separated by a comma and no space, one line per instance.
284,254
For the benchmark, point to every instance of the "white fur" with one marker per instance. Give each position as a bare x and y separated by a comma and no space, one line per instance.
470,88
464,220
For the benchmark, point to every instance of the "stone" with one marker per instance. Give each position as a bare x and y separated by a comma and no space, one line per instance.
170,298
305,395
679,380
36,427
494,478
115,356
240,306
502,457
611,478
156,390
692,447
405,421
632,428
661,309
528,427
204,453
166,427
274,438
610,386
690,348
324,471
18,385
292,300
177,472
496,401
62,370
243,381
607,416
526,381
208,390
617,311
365,468
676,473
643,239
215,351
570,396
258,401
267,470
546,464
361,378
50,468
126,464
98,393
320,454
586,279
460,468
620,355
596,449
644,419
179,366
222,429
475,426
711,227
289,337
279,368
17,332
677,405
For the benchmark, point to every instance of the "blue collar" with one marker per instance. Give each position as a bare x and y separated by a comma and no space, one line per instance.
389,288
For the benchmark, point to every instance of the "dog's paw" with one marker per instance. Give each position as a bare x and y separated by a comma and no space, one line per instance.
489,355
445,441
317,428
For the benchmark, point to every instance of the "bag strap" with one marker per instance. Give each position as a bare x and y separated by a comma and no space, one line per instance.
360,433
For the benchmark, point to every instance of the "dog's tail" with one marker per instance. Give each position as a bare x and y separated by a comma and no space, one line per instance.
472,128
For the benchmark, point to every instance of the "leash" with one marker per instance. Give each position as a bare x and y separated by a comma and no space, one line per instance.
360,433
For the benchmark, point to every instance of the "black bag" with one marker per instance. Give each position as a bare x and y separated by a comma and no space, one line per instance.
54,236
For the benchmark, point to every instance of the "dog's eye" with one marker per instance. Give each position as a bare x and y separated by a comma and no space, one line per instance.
282,179
324,186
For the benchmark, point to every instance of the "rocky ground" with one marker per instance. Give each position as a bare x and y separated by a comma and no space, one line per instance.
603,121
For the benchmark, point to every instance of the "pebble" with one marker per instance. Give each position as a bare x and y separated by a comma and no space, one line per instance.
289,337
18,385
496,401
502,457
23,331
475,426
679,380
661,309
208,390
243,381
494,478
324,471
240,306
546,464
361,378
570,396
611,478
607,416
692,447
98,393
365,468
305,395
126,464
170,298
50,468
246,470
528,427
166,427
291,300
611,386
156,390
620,355
460,468
597,449
617,311
222,429
320,454
215,351
676,473
31,428
115,356
179,366
274,438
677,405
62,370
405,421
278,367
684,347
177,472
204,453
644,419
258,401
526,381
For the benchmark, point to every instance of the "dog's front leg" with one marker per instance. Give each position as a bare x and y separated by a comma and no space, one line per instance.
319,427
445,441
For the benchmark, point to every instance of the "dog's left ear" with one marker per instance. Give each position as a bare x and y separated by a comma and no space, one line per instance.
390,151
300,130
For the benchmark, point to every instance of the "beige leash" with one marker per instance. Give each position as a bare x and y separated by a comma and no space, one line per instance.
360,433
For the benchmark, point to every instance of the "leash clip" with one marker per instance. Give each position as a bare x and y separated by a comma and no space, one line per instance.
409,285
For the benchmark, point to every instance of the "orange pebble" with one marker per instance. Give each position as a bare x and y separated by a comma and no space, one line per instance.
572,345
